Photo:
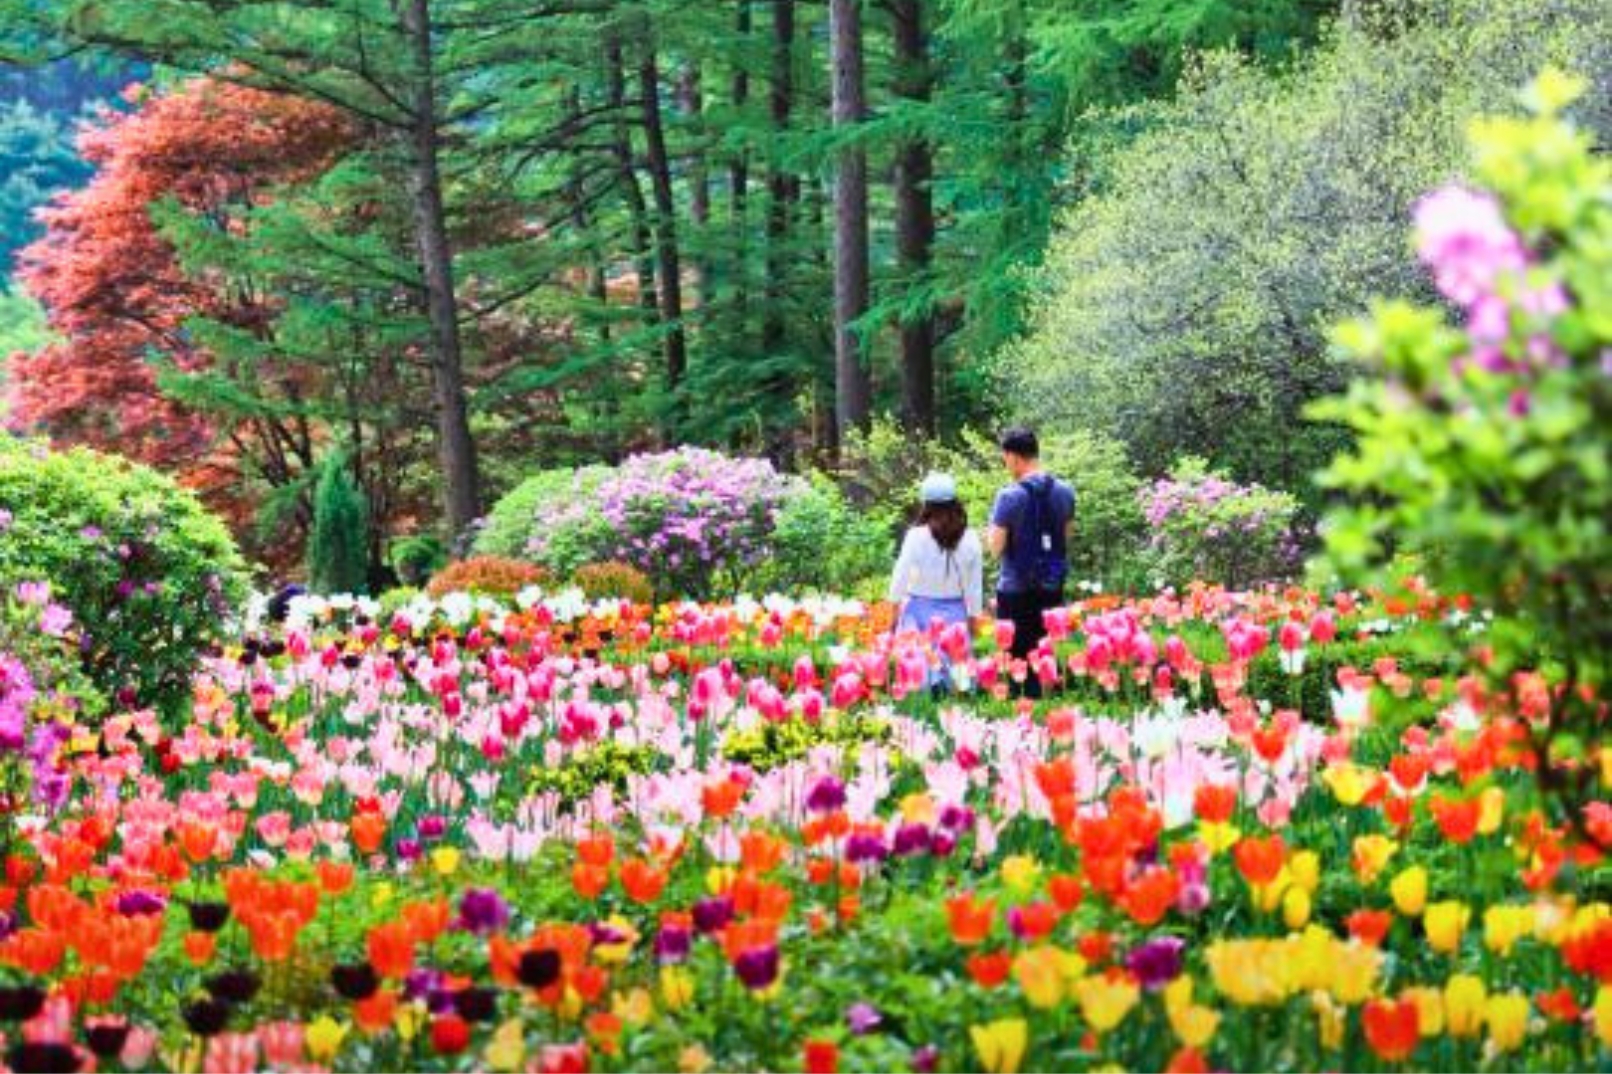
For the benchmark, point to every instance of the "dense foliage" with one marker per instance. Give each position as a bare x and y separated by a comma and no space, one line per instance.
496,576
1188,300
510,527
151,579
1485,447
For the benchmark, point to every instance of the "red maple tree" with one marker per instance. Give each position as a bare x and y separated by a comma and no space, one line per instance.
113,288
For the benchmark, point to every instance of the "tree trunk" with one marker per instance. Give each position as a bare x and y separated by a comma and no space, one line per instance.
739,171
581,219
668,261
782,187
915,221
456,449
699,200
853,385
621,146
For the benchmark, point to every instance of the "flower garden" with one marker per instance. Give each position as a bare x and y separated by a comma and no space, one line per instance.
588,811
1251,830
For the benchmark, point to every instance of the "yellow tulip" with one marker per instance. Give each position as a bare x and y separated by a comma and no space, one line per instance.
1371,855
676,987
719,878
380,895
1019,872
1330,1019
1506,1015
1464,997
445,860
1355,967
1349,782
1218,837
1429,1009
693,1059
1039,972
1603,1015
1305,867
1409,890
323,1037
1504,925
408,1018
1444,923
1105,1002
1001,1044
1606,767
634,1008
1296,907
918,809
1491,810
1194,1025
506,1050
1250,972
619,950
1178,993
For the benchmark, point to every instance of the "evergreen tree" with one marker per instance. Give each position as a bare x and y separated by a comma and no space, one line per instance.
338,547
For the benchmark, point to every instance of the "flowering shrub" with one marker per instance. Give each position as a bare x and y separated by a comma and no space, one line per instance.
1204,525
494,576
689,519
511,525
600,581
1485,446
150,577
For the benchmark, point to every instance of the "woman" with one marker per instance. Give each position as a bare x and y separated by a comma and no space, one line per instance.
939,574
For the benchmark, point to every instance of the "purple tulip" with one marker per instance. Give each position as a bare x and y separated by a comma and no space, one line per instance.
758,967
482,911
1156,962
826,795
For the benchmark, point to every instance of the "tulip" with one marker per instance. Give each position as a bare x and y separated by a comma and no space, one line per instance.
1001,1044
1506,1016
1503,926
323,1037
1464,999
1603,1015
1444,923
1392,1028
1409,890
1039,971
1429,1008
1105,1001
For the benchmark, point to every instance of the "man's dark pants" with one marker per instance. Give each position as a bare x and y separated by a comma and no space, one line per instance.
1024,610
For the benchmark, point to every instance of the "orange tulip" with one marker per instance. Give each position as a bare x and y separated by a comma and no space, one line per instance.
596,850
989,970
1149,897
1369,926
1066,890
970,921
721,798
335,877
589,881
642,881
367,829
200,947
376,1014
198,839
1259,859
391,949
760,852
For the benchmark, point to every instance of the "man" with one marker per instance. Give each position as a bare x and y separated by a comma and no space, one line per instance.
1031,523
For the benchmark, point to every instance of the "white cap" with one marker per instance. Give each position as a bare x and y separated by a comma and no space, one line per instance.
938,488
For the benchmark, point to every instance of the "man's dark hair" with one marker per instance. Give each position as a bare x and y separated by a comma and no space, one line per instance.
1021,441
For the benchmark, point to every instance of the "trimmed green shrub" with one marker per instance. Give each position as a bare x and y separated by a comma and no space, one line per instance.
509,527
822,543
338,547
417,558
150,576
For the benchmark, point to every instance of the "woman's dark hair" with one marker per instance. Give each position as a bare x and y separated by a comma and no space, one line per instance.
1020,441
947,522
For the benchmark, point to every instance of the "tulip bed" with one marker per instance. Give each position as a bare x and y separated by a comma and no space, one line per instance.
1272,830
